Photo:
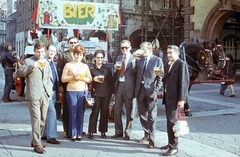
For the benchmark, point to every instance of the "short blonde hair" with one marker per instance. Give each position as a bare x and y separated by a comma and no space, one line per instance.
125,41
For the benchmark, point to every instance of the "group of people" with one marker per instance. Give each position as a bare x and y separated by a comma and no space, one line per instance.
136,78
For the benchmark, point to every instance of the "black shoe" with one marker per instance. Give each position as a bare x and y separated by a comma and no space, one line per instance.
103,135
73,139
43,138
90,136
116,136
233,95
83,133
170,152
188,113
222,93
151,144
165,147
144,139
79,138
52,141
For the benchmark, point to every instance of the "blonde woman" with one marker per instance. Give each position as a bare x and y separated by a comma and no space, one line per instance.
77,75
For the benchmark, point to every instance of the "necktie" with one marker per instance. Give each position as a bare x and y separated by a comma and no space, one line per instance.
123,66
144,65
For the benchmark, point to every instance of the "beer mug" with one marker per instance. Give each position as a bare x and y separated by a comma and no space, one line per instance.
138,53
157,71
81,75
118,65
101,78
41,63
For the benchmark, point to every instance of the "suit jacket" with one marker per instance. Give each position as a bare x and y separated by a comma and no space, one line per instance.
152,83
37,81
57,85
63,59
129,78
176,83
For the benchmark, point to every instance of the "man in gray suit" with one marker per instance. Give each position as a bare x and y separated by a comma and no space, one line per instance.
176,82
124,91
146,89
37,75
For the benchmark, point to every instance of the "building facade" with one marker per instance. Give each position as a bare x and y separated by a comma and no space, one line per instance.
161,22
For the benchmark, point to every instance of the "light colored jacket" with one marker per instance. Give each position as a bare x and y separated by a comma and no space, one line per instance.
37,81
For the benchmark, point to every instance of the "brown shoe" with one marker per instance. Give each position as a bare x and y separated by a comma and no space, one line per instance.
39,149
5,100
43,145
151,144
144,139
127,138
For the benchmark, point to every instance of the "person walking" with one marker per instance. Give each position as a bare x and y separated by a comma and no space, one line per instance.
146,89
50,131
124,91
103,91
7,64
230,72
77,75
63,59
176,82
38,92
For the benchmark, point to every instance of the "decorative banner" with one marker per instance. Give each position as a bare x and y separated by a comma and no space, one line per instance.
78,15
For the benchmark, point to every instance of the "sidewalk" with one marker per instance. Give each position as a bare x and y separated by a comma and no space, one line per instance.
15,134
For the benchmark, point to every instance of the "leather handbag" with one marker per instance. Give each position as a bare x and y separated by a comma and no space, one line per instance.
88,102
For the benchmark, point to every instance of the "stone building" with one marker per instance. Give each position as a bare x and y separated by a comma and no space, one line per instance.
162,22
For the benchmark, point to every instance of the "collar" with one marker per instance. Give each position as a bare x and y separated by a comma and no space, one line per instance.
148,57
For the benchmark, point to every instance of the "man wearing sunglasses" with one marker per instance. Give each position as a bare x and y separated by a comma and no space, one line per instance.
124,91
64,58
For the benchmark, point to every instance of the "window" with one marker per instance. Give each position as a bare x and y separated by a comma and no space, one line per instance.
229,47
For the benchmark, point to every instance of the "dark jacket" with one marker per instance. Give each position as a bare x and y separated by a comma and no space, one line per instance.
102,89
8,60
129,78
176,83
152,83
229,70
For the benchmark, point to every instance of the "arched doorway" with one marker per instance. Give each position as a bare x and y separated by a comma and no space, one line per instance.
100,34
224,25
135,39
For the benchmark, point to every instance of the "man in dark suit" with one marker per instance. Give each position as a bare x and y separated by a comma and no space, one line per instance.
64,58
50,131
146,89
124,91
176,82
37,73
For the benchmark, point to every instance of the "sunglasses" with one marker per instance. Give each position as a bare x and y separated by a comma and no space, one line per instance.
72,42
99,57
122,48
